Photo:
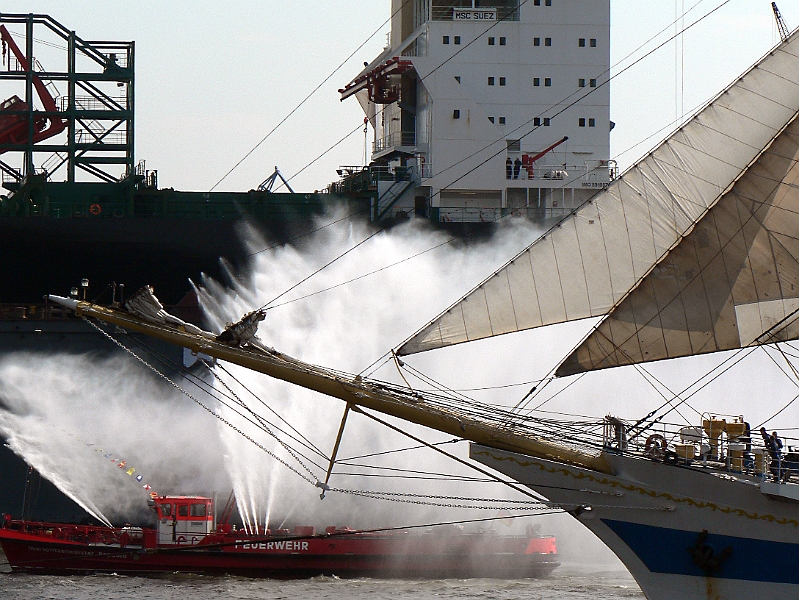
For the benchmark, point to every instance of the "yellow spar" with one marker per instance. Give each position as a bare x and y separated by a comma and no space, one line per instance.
238,345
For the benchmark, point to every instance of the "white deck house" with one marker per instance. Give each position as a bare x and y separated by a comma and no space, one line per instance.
468,96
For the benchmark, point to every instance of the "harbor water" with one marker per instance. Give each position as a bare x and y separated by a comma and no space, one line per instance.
571,581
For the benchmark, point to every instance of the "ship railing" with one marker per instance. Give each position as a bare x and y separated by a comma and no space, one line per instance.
364,179
740,454
54,312
597,174
86,534
471,214
41,312
397,139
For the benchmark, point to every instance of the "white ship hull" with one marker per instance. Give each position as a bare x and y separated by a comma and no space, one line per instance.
652,515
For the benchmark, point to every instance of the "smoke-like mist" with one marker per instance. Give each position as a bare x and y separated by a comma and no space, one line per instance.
347,327
65,414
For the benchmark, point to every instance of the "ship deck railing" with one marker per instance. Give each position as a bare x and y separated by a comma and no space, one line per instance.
85,534
689,446
17,311
492,214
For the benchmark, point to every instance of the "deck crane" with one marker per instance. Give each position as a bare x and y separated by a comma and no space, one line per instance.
783,29
266,185
15,113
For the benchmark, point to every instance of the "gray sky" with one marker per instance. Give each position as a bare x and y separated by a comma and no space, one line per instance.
213,78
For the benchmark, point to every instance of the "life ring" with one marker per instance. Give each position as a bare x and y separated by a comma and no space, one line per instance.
671,458
655,447
95,209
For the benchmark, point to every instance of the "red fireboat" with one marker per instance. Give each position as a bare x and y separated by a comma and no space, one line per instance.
186,539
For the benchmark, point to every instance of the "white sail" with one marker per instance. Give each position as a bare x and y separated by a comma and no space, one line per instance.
732,282
589,262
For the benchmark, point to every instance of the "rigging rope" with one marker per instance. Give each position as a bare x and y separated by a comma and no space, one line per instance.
316,89
201,405
425,499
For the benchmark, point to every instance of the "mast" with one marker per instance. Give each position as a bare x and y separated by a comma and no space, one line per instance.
398,402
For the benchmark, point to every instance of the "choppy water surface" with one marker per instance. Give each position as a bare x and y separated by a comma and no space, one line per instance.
570,582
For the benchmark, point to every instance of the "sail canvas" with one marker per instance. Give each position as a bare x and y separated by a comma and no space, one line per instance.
588,263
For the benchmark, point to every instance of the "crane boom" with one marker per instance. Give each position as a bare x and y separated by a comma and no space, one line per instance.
783,29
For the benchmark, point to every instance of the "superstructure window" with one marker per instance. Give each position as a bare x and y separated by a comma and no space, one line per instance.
445,39
502,81
198,510
546,121
548,2
536,41
581,122
581,43
537,121
183,510
593,42
502,41
490,81
490,41
592,83
502,120
547,41
581,82
456,114
491,119
458,78
536,2
536,81
547,81
592,122
457,40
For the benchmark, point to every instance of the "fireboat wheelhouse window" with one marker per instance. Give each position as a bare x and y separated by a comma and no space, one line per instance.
166,510
183,510
198,510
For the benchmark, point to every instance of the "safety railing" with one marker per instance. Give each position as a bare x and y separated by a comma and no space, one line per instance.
593,175
395,140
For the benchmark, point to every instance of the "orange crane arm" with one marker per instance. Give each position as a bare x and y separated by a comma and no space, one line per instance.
532,159
56,125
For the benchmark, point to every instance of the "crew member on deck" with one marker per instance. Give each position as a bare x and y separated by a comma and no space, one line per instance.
774,446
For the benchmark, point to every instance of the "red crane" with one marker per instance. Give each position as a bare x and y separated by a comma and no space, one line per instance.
14,126
527,160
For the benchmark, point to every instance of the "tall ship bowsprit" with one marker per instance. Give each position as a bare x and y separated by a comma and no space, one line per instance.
693,251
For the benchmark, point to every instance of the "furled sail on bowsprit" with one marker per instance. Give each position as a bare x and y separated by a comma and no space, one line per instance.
588,263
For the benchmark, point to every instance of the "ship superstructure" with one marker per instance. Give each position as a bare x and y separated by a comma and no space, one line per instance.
484,109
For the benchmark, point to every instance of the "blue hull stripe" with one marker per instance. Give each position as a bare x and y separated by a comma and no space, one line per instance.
667,551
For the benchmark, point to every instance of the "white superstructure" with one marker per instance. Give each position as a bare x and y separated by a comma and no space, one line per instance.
468,95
